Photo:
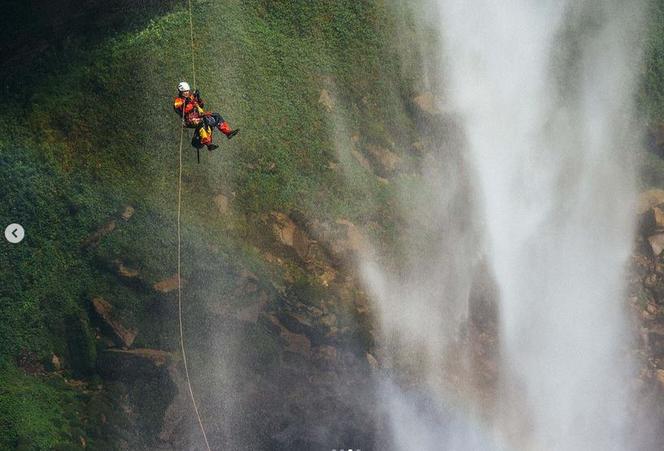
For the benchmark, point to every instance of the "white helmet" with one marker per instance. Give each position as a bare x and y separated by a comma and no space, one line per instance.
184,86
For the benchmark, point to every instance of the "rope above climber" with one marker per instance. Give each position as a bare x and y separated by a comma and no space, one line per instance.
190,107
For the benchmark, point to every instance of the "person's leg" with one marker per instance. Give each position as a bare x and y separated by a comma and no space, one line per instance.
196,138
223,126
206,133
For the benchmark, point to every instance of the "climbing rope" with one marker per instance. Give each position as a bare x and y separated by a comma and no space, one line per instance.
182,348
191,32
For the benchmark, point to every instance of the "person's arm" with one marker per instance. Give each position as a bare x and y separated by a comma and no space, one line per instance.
197,96
178,105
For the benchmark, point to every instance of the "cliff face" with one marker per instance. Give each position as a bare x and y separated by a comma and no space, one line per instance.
646,302
337,118
275,321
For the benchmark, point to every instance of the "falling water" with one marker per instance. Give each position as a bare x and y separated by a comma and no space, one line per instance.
544,92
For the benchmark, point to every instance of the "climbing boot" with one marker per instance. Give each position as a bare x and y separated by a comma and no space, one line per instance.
226,130
212,146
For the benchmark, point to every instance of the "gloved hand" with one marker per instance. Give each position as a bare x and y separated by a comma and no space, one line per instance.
197,94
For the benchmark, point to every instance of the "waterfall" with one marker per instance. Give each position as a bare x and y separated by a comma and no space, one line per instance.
544,93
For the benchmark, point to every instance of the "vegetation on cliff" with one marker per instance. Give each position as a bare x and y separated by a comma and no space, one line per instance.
323,94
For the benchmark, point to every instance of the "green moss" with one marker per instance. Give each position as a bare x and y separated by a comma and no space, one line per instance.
35,413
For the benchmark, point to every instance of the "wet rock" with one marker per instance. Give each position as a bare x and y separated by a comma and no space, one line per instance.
426,103
296,343
94,239
386,161
326,100
351,241
132,364
659,374
327,276
655,340
650,281
649,199
371,360
168,285
56,363
329,320
122,336
127,213
222,203
656,243
289,234
124,271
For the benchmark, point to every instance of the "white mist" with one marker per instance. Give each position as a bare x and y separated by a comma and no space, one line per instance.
544,91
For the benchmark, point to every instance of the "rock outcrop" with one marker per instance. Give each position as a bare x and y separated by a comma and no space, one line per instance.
326,100
167,285
132,364
121,335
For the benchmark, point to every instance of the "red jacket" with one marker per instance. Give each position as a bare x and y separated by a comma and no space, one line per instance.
193,109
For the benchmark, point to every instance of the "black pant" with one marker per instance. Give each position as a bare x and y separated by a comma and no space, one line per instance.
213,120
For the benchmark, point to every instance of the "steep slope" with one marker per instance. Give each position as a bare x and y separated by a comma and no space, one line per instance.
335,130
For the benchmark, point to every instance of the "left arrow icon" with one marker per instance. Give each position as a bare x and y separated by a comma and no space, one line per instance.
14,233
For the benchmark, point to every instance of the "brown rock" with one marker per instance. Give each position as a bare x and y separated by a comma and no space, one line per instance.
296,343
339,241
222,203
355,240
388,161
326,100
656,243
650,281
652,308
655,340
660,377
284,228
327,276
371,360
56,363
289,234
96,237
426,102
168,285
121,335
329,320
127,213
649,199
658,217
124,271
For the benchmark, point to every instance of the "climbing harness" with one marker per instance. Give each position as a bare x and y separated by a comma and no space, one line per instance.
182,348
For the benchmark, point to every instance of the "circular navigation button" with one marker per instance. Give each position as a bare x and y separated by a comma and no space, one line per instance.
14,233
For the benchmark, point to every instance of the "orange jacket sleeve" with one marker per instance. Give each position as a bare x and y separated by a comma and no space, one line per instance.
179,102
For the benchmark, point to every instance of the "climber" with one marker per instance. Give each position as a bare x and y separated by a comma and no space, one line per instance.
196,117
